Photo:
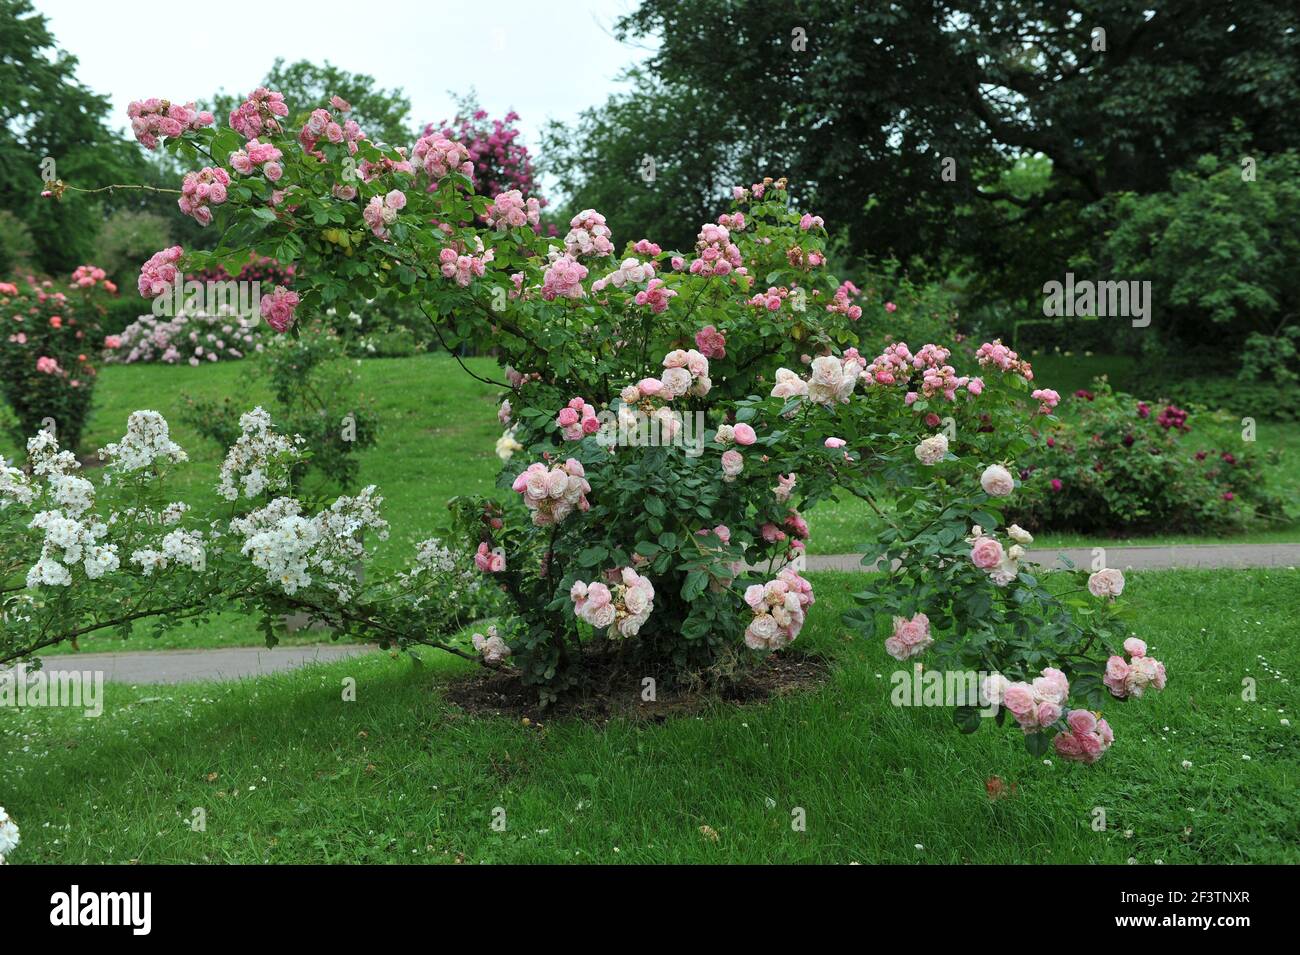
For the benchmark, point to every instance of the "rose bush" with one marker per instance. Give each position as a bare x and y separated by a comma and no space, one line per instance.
1119,463
671,415
49,337
190,338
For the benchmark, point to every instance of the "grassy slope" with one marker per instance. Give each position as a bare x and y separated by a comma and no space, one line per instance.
399,776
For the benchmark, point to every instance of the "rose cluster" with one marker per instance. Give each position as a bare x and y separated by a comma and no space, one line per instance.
382,211
621,606
153,117
588,235
1036,705
1087,737
779,608
577,419
910,638
259,114
201,190
510,210
1131,678
552,493
255,156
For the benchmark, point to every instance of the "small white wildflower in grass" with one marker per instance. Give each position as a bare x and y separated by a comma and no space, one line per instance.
1187,764
1285,721
919,846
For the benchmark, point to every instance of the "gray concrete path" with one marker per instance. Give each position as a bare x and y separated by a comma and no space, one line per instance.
232,663
183,666
1166,557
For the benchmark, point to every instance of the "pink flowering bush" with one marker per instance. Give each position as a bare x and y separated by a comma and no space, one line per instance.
49,350
671,414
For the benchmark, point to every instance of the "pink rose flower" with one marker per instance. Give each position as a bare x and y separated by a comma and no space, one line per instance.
986,553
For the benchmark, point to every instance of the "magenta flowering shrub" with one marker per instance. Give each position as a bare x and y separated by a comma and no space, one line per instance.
500,163
1116,463
49,339
670,417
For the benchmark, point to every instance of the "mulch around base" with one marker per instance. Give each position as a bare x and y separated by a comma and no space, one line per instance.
502,692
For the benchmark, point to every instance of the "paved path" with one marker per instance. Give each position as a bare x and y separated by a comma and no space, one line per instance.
232,663
183,666
1167,557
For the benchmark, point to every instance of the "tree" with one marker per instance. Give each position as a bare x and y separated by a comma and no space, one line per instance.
861,103
51,124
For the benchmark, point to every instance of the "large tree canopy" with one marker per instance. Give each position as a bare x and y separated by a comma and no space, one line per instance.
860,103
46,115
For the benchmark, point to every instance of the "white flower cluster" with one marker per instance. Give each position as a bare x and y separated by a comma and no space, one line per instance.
181,548
69,540
290,547
8,835
45,457
147,440
259,459
16,487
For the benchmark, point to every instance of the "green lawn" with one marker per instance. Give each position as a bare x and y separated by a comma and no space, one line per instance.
288,772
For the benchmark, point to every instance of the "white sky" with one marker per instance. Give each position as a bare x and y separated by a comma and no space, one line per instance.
546,59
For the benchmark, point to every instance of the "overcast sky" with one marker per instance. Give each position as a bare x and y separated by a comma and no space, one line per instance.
545,60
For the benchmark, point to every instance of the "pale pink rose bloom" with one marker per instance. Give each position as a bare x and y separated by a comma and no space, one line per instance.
1048,713
676,382
598,595
1116,676
1081,721
835,443
732,464
675,359
932,449
986,553
1135,647
1018,698
997,481
1106,583
744,434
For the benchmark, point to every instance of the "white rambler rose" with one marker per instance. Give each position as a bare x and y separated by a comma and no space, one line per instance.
507,445
932,450
493,649
997,481
147,441
789,385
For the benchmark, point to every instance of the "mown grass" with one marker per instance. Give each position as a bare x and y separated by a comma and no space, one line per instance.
288,771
